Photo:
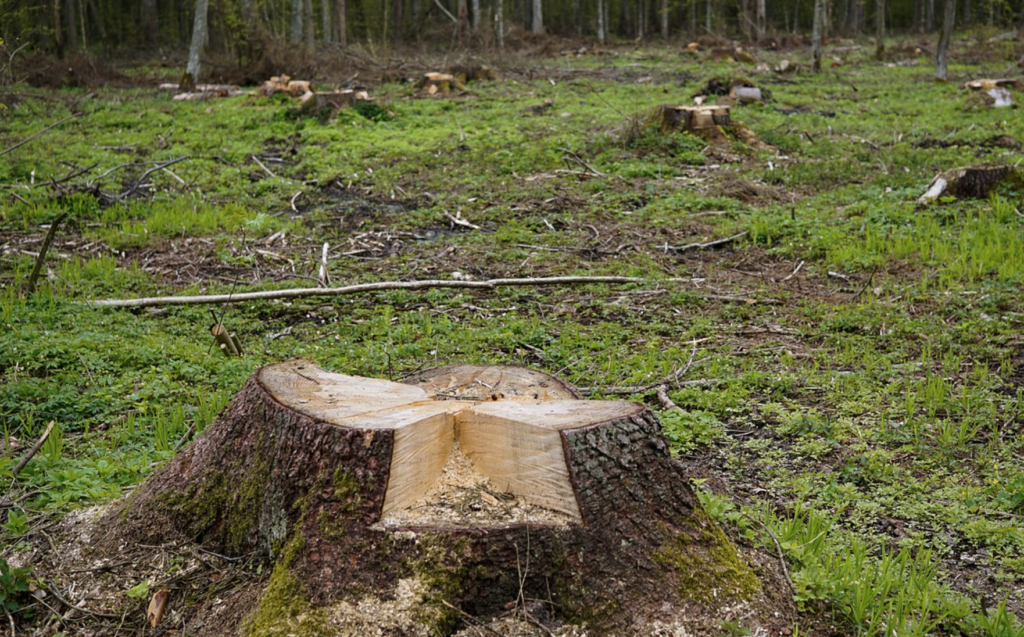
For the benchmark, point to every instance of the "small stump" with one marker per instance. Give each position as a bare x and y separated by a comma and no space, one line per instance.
463,491
434,84
972,181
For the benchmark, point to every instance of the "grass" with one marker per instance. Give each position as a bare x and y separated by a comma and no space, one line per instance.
868,404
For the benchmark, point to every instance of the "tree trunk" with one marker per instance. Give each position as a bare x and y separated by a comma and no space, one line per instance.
340,23
71,19
58,31
462,13
307,26
967,14
195,51
297,22
602,9
537,25
664,19
325,21
499,24
879,29
150,26
948,18
476,16
707,15
819,23
472,489
762,19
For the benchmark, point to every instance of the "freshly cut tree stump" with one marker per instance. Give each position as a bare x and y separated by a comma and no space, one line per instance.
465,491
971,181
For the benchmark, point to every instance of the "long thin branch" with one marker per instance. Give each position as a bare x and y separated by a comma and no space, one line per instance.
710,244
446,11
778,547
31,137
141,180
33,451
50,234
369,287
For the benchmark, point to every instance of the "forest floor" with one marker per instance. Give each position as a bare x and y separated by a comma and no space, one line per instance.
863,354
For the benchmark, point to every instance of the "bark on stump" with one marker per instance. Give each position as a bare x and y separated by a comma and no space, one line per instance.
969,182
333,476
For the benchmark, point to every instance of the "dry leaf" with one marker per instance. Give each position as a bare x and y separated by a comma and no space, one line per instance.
157,605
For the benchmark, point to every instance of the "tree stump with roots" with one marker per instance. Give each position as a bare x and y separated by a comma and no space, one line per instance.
463,494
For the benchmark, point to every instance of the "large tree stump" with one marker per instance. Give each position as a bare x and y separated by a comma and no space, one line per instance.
403,508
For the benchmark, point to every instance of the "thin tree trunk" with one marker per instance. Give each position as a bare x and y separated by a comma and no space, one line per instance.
58,32
664,19
577,17
929,24
71,20
340,23
707,16
295,36
499,24
149,21
538,17
948,18
325,21
307,26
398,20
819,24
476,15
462,13
967,14
879,29
195,51
762,19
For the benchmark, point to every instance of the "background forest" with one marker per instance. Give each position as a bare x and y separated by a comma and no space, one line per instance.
243,29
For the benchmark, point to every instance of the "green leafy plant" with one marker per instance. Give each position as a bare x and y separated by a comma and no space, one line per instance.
14,586
139,591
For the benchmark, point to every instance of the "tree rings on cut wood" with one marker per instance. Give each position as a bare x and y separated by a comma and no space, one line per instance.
465,491
973,181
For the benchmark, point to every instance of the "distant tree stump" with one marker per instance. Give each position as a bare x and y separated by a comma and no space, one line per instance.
464,491
972,181
433,84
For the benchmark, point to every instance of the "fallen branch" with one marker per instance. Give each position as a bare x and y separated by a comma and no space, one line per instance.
459,221
42,251
292,293
31,137
33,451
149,172
710,244
666,402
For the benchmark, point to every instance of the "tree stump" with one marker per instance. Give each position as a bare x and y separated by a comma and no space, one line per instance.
432,84
971,181
464,491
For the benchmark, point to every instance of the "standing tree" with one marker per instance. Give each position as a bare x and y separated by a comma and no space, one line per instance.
819,25
195,51
879,29
538,17
295,34
339,22
601,18
948,18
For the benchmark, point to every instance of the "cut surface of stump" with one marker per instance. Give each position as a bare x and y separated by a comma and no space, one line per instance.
462,490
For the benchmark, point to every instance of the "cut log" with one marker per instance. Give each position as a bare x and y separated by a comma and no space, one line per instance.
973,181
462,491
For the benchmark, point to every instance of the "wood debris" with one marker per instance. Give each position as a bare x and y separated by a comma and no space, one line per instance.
204,92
